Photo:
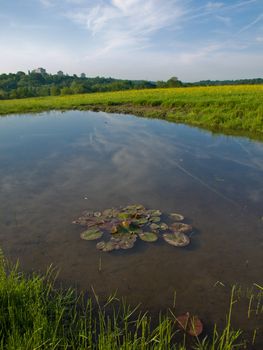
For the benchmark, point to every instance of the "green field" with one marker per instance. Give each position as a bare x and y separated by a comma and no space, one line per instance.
231,109
35,315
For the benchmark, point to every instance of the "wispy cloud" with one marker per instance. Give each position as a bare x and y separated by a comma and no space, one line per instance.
128,22
213,5
251,24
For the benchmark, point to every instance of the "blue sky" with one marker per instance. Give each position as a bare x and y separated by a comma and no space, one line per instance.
134,39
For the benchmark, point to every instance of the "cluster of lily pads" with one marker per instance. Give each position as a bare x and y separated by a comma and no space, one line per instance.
123,226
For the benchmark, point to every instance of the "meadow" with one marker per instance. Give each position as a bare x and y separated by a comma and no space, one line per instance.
35,315
231,109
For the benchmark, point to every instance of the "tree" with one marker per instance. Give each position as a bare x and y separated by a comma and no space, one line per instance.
174,82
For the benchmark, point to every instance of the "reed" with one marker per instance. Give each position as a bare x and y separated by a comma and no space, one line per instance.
35,315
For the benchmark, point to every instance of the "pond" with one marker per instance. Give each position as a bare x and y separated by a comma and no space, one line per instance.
55,165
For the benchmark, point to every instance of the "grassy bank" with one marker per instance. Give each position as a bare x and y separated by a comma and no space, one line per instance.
226,108
34,315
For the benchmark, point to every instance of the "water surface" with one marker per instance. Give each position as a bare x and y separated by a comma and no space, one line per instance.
55,165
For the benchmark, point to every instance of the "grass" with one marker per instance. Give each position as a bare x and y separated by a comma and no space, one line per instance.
232,109
35,315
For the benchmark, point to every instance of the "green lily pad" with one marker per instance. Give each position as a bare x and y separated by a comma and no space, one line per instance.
123,216
177,217
148,236
180,227
176,239
163,226
142,221
154,227
154,212
155,219
91,235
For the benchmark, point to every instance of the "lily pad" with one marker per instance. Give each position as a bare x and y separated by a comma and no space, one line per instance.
176,239
107,213
154,212
142,221
163,226
91,235
155,219
127,241
123,216
105,246
180,227
190,324
154,226
177,217
148,236
124,224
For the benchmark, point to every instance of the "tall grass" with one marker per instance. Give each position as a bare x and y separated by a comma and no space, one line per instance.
226,108
34,315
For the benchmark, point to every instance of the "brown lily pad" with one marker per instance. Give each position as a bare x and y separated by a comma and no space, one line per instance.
180,227
106,246
177,217
177,239
190,324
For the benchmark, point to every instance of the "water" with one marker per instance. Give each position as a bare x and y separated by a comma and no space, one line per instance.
55,165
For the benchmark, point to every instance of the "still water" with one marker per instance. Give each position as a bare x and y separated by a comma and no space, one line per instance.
55,165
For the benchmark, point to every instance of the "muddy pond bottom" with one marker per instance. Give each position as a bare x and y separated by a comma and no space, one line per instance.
54,166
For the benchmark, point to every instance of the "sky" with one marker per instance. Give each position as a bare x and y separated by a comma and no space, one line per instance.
134,39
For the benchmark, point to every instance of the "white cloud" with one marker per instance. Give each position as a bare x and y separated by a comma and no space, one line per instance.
47,3
225,20
212,5
123,23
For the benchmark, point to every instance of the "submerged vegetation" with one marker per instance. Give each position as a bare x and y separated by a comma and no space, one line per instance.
232,109
35,315
122,227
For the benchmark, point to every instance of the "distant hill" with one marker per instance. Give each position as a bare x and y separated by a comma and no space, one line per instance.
40,83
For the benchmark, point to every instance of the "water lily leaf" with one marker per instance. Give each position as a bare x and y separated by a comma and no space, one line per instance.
148,236
105,246
123,216
127,241
190,324
180,227
107,213
139,207
155,219
154,227
163,226
154,212
177,217
100,245
176,239
91,235
142,221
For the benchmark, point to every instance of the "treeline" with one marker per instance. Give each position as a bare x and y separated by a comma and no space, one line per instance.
226,82
21,85
34,84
